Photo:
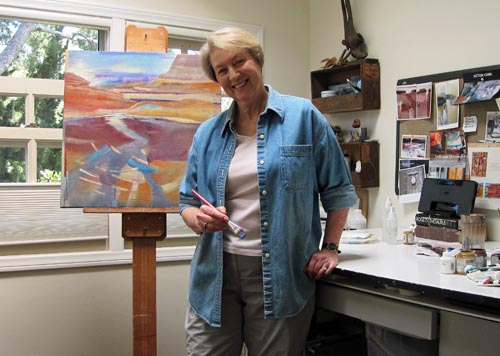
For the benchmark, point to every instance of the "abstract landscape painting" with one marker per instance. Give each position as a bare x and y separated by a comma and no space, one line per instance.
129,119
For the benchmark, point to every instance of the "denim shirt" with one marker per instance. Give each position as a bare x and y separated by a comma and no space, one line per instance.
298,162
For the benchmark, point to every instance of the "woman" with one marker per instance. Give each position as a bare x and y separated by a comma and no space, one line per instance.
264,162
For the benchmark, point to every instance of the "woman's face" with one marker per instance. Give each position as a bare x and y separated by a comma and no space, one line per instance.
238,73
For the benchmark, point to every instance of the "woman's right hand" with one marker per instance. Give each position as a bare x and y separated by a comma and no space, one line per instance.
205,219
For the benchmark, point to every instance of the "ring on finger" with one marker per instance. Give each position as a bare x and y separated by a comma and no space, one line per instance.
324,267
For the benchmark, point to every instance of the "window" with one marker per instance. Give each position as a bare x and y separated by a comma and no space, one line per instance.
180,45
39,234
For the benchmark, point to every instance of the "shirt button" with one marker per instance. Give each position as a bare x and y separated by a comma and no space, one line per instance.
261,162
264,192
265,224
267,255
261,136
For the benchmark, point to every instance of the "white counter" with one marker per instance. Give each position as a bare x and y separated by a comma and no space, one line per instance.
372,281
400,263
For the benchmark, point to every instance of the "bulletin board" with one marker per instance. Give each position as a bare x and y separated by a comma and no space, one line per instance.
422,127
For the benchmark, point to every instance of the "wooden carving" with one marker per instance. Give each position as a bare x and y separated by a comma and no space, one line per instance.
353,41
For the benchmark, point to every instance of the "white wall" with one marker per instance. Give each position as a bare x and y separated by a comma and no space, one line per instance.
88,311
409,38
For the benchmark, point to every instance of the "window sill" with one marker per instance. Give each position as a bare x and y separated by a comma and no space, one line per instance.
87,259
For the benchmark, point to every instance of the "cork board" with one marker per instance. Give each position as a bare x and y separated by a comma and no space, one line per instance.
424,126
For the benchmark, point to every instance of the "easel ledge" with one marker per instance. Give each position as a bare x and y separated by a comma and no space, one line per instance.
130,210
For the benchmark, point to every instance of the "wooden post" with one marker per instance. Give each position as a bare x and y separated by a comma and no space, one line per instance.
143,227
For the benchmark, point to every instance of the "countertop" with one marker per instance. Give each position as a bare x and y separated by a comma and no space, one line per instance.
399,266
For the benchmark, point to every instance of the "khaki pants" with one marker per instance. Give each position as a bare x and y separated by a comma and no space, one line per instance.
243,318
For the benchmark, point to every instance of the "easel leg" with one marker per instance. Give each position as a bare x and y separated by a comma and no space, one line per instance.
144,229
144,289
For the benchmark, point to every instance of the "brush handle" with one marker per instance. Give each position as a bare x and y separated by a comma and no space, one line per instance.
203,200
235,228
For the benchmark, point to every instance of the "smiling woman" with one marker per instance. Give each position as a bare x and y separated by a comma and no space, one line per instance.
260,162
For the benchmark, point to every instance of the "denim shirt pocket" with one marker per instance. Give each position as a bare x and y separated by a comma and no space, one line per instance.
296,164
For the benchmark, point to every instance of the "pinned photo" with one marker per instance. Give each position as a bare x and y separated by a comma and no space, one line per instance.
493,126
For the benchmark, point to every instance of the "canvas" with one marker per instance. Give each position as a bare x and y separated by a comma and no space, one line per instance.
129,119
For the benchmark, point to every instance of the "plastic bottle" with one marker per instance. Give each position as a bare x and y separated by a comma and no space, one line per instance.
447,263
392,227
387,209
357,220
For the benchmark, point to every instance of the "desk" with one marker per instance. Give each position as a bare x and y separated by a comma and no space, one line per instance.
391,286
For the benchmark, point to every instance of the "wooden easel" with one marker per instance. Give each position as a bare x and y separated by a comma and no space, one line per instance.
142,226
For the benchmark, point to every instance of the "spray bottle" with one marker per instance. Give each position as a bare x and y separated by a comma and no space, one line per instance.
392,227
387,209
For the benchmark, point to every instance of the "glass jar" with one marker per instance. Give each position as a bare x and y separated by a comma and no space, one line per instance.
473,228
464,259
495,258
481,257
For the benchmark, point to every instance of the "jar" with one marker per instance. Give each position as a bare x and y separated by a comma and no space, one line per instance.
473,228
447,263
481,257
495,258
409,237
465,258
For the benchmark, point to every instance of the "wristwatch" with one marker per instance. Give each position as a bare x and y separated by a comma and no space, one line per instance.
330,246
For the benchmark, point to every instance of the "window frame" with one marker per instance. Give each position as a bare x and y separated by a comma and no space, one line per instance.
114,23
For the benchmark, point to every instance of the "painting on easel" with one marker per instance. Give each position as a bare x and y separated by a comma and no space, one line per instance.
129,119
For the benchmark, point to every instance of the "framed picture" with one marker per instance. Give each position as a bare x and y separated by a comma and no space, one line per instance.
492,126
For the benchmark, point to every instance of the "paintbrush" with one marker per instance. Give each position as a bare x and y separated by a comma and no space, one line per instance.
238,230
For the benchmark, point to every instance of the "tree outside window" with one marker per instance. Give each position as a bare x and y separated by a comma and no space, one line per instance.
34,50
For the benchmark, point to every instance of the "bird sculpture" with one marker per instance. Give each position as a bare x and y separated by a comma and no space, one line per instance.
353,41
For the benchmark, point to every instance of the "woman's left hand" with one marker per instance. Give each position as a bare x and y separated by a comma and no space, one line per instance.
322,263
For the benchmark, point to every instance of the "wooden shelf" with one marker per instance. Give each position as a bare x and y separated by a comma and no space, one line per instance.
367,153
369,97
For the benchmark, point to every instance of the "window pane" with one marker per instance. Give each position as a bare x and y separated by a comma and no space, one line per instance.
49,112
42,54
175,50
49,165
12,165
12,110
184,45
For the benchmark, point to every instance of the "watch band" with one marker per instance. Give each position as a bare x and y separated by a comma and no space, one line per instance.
330,246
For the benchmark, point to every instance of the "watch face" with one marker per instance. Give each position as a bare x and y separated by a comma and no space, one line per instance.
330,246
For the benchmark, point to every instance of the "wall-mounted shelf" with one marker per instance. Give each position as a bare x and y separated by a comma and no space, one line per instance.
367,153
369,98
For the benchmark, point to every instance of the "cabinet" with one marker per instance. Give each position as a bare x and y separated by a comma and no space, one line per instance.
367,153
368,98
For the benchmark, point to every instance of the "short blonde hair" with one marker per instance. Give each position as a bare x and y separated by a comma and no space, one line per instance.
230,38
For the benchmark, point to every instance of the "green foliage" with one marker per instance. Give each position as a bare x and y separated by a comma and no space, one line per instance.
48,176
11,111
12,166
49,164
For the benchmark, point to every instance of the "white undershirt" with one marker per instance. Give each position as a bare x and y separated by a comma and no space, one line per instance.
242,198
